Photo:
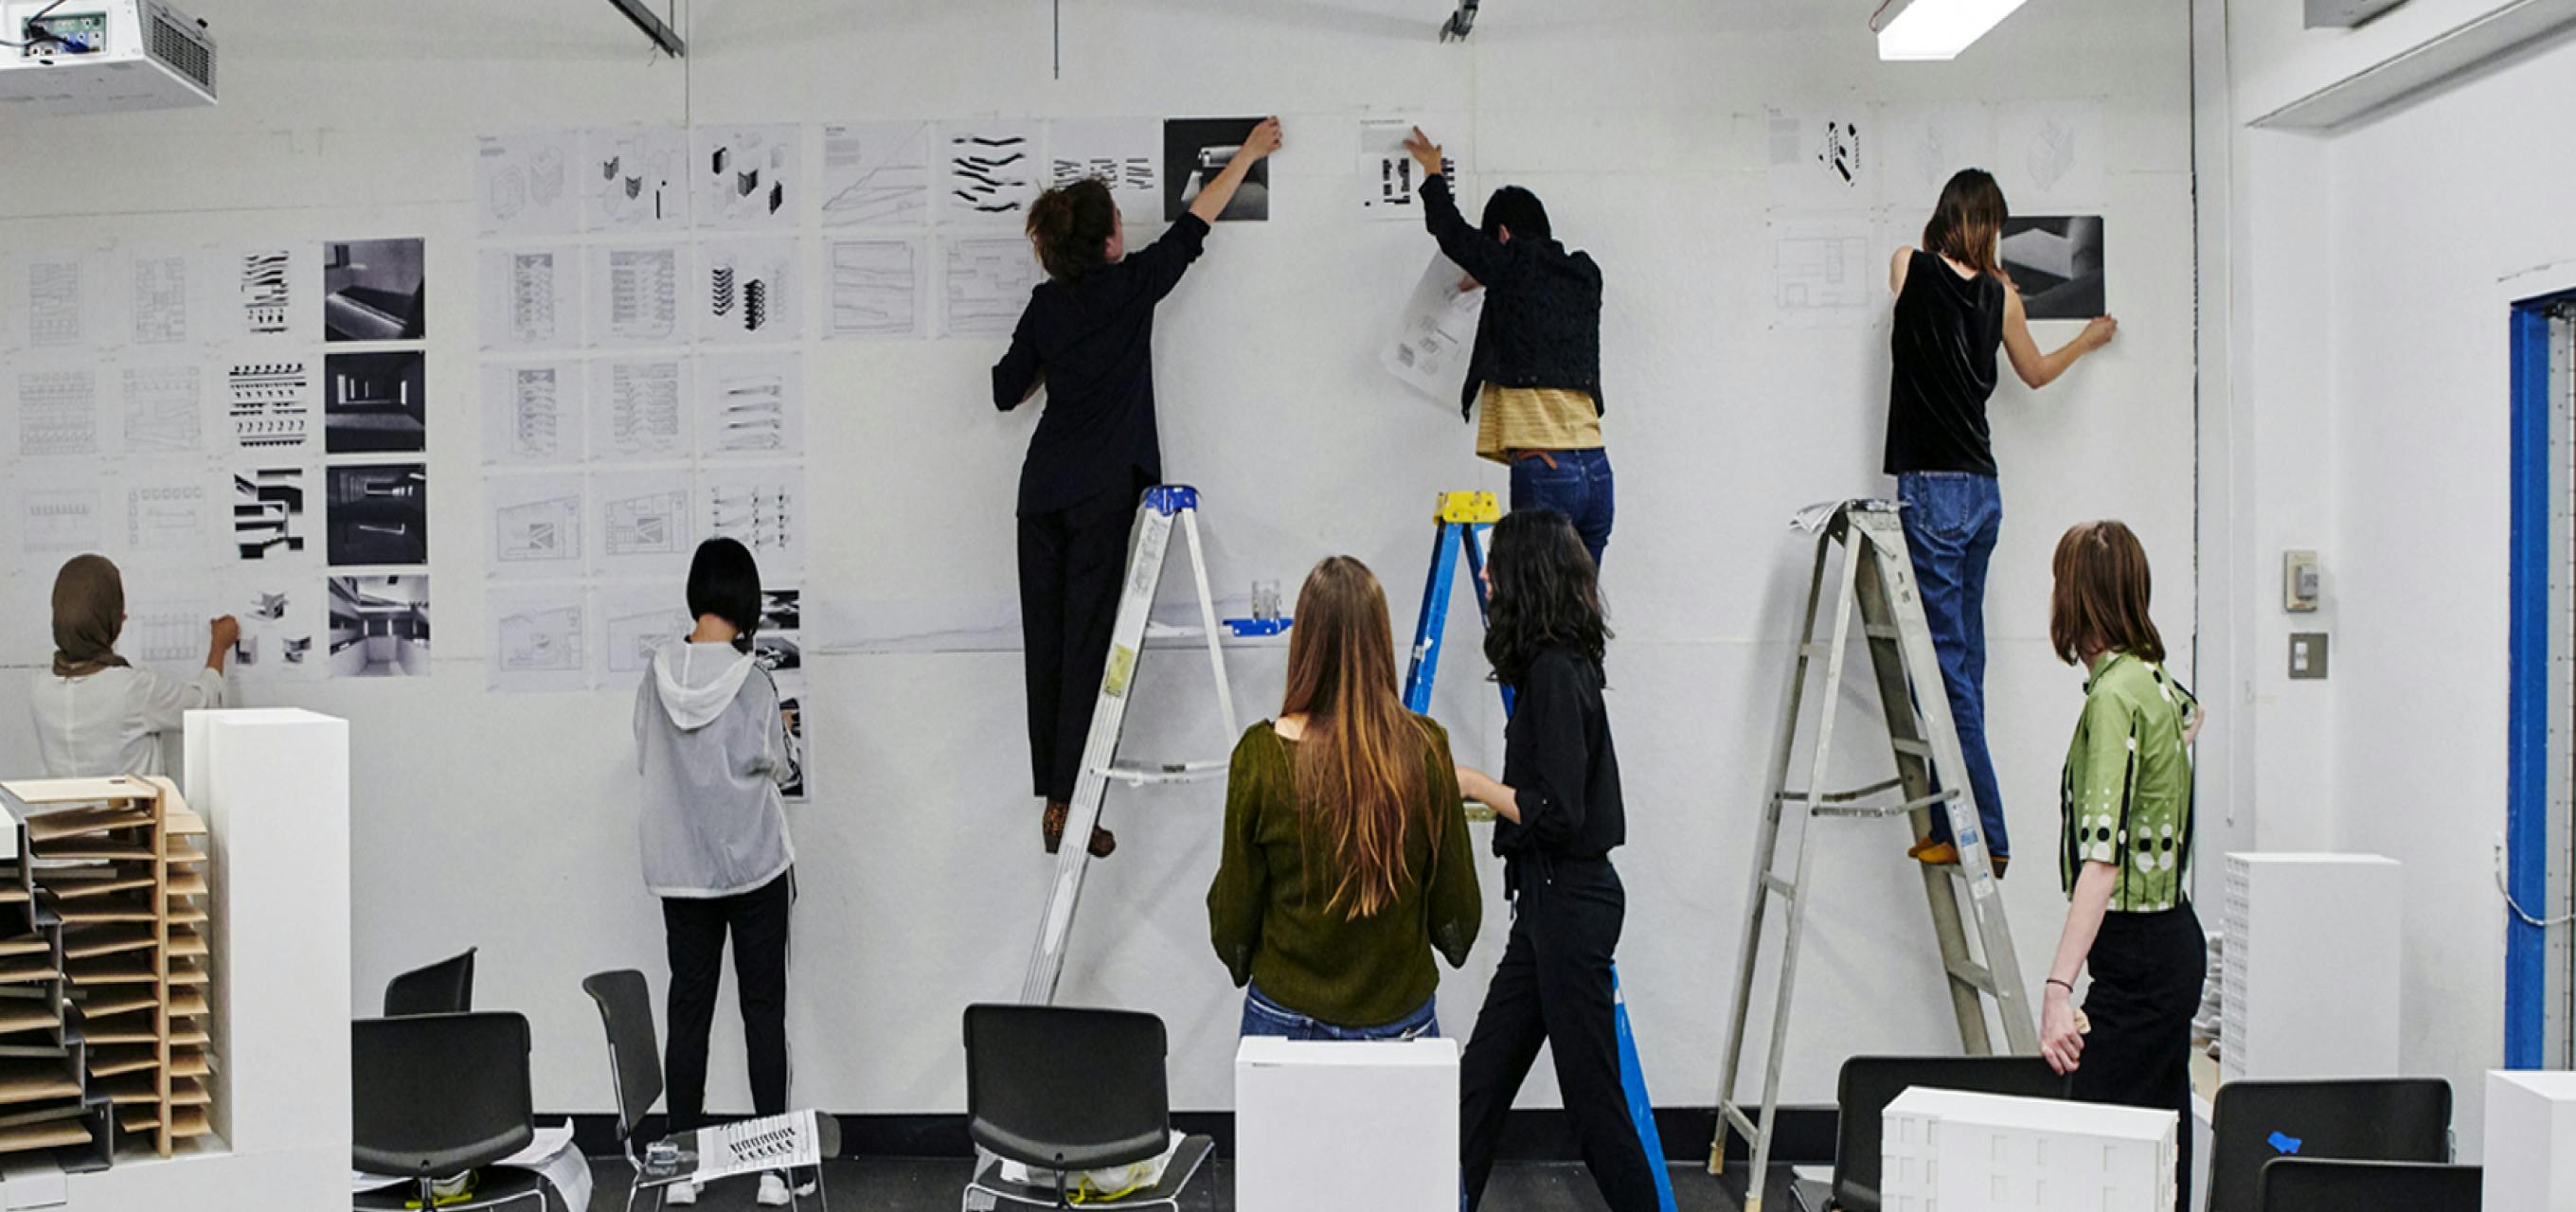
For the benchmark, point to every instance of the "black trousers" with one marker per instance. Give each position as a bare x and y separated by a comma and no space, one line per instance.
1554,988
695,930
1073,562
2147,974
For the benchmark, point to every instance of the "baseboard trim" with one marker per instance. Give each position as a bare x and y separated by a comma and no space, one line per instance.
1805,1134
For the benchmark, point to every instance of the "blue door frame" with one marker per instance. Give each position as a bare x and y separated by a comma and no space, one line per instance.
2526,974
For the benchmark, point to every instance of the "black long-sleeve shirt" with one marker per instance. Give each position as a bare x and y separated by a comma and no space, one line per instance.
1541,325
1091,342
1560,764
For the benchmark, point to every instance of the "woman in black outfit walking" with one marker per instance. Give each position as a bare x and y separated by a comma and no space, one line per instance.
1561,817
1088,338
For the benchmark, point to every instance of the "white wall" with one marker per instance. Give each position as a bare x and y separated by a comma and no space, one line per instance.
503,821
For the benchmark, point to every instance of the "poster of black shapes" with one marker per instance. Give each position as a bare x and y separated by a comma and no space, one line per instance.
380,626
268,512
378,513
2056,263
375,403
373,290
1195,150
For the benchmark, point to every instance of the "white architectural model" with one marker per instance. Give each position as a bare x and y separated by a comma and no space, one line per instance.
1953,1151
2531,1142
2311,956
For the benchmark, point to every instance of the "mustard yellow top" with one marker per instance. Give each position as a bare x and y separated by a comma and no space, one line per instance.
1535,418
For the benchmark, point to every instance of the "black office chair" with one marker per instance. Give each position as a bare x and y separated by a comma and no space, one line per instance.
1065,1090
1869,1083
446,987
2382,1119
437,1095
2300,1184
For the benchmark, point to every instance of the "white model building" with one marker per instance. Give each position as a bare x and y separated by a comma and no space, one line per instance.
2531,1142
1954,1151
2311,956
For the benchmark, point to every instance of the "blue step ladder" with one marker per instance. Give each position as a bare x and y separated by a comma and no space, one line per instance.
1464,521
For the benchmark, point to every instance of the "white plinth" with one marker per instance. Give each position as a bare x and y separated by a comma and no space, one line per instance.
2531,1142
1345,1125
2311,961
1949,1149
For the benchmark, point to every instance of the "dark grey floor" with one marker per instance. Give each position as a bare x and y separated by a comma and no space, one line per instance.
874,1185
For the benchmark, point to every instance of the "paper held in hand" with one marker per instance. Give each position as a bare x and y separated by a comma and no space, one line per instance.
1439,331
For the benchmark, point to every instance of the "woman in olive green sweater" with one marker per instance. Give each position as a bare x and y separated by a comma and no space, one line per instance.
1347,859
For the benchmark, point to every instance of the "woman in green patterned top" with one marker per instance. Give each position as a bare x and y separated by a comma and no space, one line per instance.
2125,858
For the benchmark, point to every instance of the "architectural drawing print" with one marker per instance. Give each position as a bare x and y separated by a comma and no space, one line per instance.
163,410
875,288
876,174
57,413
749,291
540,639
749,176
992,172
270,405
988,282
524,183
536,526
270,516
267,292
634,179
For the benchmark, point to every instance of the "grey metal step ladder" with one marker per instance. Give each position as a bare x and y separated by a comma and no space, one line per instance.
1876,583
1147,544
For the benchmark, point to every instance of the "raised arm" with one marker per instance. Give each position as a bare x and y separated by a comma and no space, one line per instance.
2041,369
1214,196
1474,251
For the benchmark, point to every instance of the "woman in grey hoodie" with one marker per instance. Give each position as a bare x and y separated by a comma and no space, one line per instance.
714,748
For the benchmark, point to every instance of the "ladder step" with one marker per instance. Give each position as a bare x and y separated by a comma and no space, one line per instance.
1899,808
1881,631
1975,976
1169,772
1740,1121
1913,748
1773,883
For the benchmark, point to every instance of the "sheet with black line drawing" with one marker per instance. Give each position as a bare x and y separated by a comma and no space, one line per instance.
1126,153
60,515
171,511
635,294
268,405
639,409
538,639
990,172
1826,273
56,298
763,508
988,281
270,292
533,411
748,292
877,288
1919,146
633,619
749,176
635,179
643,523
531,297
163,286
525,183
1819,158
535,523
751,406
1390,182
58,415
876,174
161,409
169,631
281,612
276,512
2049,157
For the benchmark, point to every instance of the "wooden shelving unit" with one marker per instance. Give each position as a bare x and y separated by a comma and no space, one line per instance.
104,1018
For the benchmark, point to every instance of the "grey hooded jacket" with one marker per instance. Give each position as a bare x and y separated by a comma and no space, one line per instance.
714,752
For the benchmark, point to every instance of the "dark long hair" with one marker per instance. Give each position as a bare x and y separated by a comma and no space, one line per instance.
1071,226
1546,594
1359,767
1968,225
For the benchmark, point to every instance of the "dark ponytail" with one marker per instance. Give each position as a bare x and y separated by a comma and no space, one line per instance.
1071,226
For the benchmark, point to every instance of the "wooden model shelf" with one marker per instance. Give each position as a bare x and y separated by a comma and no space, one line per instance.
104,1015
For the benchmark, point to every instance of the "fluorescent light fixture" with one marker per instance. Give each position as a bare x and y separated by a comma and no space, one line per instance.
1940,29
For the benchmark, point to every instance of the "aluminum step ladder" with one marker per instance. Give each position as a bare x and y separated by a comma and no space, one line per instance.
1877,583
1461,526
1147,544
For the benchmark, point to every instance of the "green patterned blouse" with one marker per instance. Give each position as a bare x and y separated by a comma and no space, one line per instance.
2127,796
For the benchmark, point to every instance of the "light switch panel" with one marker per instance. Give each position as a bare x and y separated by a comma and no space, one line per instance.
2307,656
2300,582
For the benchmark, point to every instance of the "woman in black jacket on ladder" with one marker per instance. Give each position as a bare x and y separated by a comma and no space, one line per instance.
1560,817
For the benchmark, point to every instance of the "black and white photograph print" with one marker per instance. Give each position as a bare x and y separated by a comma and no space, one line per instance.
791,704
373,290
2056,263
375,403
380,626
1195,150
781,653
780,610
378,513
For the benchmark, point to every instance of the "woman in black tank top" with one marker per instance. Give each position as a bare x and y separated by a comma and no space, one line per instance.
1954,308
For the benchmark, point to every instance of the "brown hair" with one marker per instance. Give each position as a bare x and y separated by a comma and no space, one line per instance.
1071,226
1360,771
2100,602
1968,224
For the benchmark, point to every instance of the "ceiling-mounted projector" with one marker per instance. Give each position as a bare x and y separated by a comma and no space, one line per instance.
102,56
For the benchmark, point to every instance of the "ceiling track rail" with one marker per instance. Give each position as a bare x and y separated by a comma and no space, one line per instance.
654,27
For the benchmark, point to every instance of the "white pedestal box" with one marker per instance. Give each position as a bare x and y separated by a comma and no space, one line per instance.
1345,1125
2311,958
2531,1142
1953,1151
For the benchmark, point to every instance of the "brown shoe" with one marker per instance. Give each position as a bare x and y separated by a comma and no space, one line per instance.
1934,854
1051,826
1103,842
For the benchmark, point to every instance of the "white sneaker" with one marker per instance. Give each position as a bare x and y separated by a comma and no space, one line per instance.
773,1191
680,1194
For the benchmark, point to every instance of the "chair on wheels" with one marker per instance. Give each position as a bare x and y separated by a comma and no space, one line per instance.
1869,1083
438,1095
2378,1119
635,1068
446,987
1065,1090
2300,1184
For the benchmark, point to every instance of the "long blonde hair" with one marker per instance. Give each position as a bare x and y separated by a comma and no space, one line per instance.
1359,766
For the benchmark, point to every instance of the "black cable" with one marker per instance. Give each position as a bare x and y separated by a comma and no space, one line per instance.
33,30
1883,6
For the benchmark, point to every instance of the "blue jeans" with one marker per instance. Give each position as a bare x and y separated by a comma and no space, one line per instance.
1262,1016
1951,520
1578,485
